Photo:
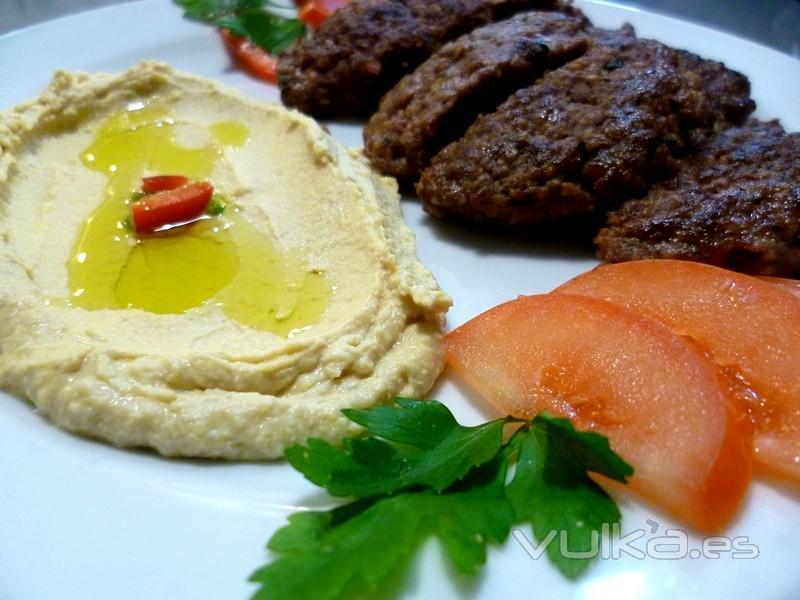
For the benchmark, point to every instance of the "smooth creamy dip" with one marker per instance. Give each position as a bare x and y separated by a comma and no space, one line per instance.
231,337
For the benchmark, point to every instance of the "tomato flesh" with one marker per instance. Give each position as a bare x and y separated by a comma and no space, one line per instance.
748,326
787,285
171,206
252,57
314,12
159,183
663,404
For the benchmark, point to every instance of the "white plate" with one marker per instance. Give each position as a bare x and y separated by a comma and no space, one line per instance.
82,520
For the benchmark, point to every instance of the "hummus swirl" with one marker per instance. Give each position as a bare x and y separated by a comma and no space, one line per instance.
198,383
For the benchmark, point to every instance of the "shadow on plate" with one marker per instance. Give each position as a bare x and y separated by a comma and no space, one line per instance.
569,239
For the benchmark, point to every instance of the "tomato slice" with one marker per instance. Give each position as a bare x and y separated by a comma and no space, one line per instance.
665,407
171,206
159,183
252,57
787,285
748,326
314,12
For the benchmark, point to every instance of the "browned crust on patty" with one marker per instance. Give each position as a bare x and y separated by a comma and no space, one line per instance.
363,49
436,103
735,205
591,133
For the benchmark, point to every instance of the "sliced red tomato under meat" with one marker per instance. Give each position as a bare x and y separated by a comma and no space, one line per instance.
255,60
314,12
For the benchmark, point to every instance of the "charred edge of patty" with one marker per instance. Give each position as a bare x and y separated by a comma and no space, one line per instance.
735,205
525,162
436,103
654,105
363,49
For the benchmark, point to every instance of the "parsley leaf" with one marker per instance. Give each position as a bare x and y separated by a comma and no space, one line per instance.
271,32
417,474
553,492
431,449
322,556
247,18
216,206
208,11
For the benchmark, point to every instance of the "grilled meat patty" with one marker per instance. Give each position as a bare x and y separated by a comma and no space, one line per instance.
735,205
589,134
364,48
436,103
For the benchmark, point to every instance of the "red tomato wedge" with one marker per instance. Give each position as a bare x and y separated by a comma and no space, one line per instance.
252,57
314,12
171,206
750,327
663,405
159,183
787,285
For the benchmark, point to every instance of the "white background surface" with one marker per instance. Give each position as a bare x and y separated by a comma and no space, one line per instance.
82,520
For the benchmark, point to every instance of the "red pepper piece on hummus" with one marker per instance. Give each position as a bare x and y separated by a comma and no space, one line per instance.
171,206
159,183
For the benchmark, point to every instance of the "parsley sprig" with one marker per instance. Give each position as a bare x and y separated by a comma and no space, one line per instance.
254,19
419,473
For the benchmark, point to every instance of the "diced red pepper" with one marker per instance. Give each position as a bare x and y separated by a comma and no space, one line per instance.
171,206
252,57
159,183
314,12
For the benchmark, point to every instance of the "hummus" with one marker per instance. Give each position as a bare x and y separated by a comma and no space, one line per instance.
303,298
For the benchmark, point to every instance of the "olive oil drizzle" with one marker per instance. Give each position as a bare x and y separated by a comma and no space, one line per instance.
221,261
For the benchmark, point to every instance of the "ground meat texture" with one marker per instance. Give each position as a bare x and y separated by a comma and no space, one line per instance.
711,98
735,205
586,136
364,48
436,103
